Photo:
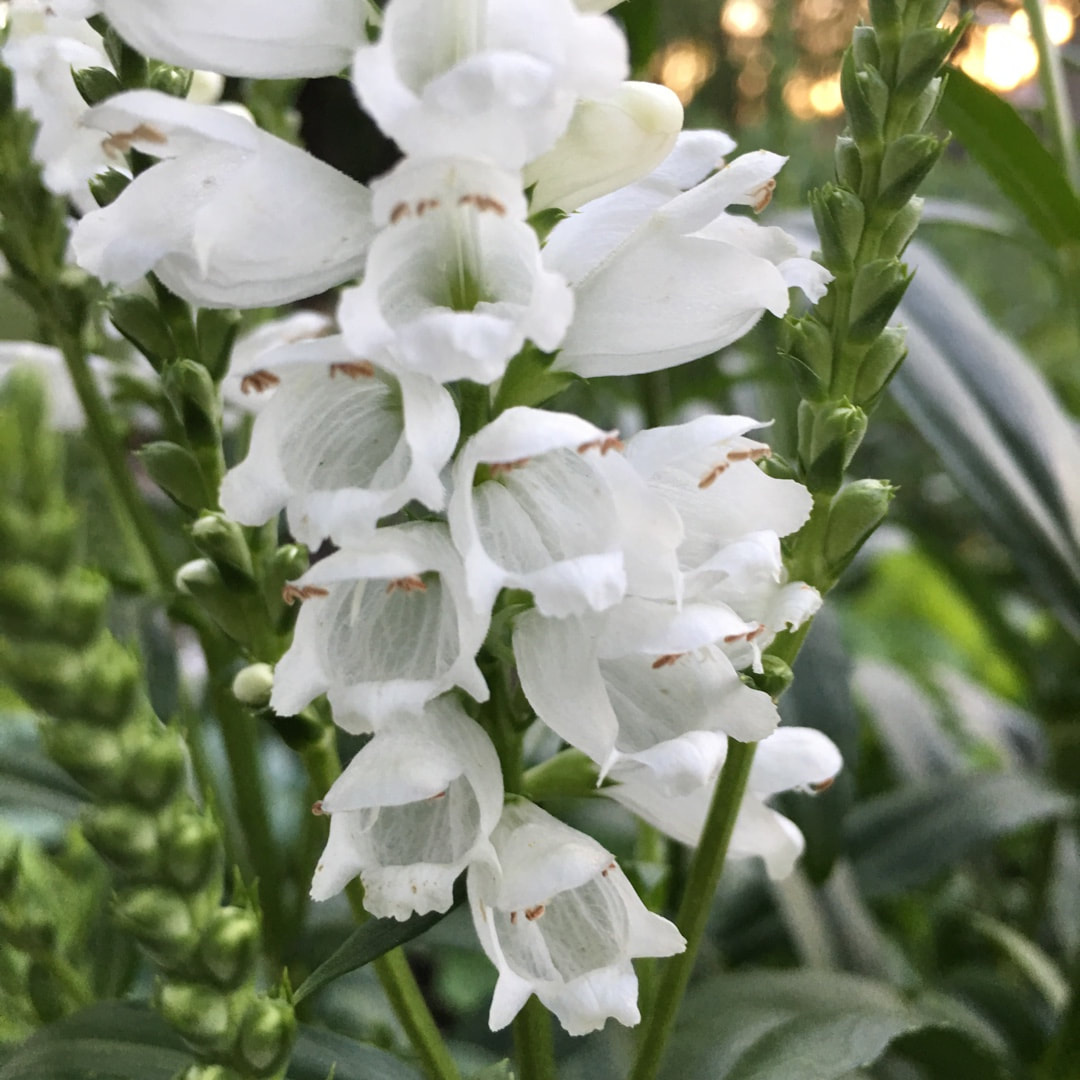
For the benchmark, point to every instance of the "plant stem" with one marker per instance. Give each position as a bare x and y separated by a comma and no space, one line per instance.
534,1050
1056,104
323,766
705,869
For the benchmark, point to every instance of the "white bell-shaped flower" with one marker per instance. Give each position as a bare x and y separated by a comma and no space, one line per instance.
262,39
610,142
386,627
411,811
455,278
487,78
557,513
558,918
42,50
342,443
643,687
663,275
790,758
231,217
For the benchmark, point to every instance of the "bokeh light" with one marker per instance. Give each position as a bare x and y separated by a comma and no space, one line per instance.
684,66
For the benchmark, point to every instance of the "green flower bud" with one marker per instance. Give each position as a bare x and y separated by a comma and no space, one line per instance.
95,84
879,287
267,1034
864,47
829,435
125,836
885,15
858,509
208,1072
47,538
176,471
10,847
46,674
234,613
926,13
156,767
774,678
223,541
906,164
80,607
174,81
108,186
866,99
112,677
569,772
201,1015
253,684
95,758
879,365
161,921
809,347
190,848
838,215
901,229
922,53
216,331
191,391
140,321
848,163
26,601
926,104
229,946
32,933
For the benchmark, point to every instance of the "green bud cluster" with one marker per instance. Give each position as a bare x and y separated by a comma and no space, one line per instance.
843,353
165,850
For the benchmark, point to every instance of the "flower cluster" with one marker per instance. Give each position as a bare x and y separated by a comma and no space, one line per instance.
652,565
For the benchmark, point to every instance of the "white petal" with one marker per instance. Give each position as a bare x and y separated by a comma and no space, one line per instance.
794,757
769,835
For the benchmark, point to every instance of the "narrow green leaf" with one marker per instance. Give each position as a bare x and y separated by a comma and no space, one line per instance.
1012,155
29,780
318,1052
370,941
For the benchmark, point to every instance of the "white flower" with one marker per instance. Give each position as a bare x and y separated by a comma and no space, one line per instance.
386,627
232,217
662,276
610,142
42,50
557,515
645,686
792,757
342,443
262,39
454,279
486,78
411,811
558,919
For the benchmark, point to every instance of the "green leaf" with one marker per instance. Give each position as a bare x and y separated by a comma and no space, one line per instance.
317,1052
1010,152
909,837
370,941
499,1071
998,428
29,781
951,1053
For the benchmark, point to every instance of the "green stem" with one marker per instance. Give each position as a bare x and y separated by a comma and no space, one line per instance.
705,869
323,766
1056,105
534,1049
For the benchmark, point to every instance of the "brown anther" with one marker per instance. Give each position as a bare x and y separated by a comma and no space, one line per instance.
355,369
710,477
424,205
291,593
746,635
666,660
468,200
400,211
513,918
122,141
755,453
413,887
605,445
258,381
411,584
488,203
437,795
754,633
763,195
607,869
822,785
498,468
534,913
316,808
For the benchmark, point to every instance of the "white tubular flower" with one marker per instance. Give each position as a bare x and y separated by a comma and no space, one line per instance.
552,517
662,276
558,918
261,39
386,627
342,443
42,50
791,758
234,217
609,143
454,280
487,78
412,810
65,409
643,687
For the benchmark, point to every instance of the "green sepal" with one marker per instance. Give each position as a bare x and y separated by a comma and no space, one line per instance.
202,1015
569,772
899,231
864,48
161,922
922,53
131,68
47,539
879,287
229,947
839,217
111,681
907,162
108,186
856,511
216,332
126,836
46,674
848,162
886,17
176,471
774,678
166,79
191,391
239,615
865,101
880,363
95,84
94,757
808,345
829,436
267,1034
34,605
224,542
926,104
141,322
530,380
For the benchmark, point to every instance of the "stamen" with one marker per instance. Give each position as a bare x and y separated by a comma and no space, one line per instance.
410,584
316,808
763,195
534,913
498,468
513,918
291,593
437,795
482,203
711,476
605,444
822,785
122,141
258,381
355,369
400,211
607,869
755,453
424,205
666,660
747,635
